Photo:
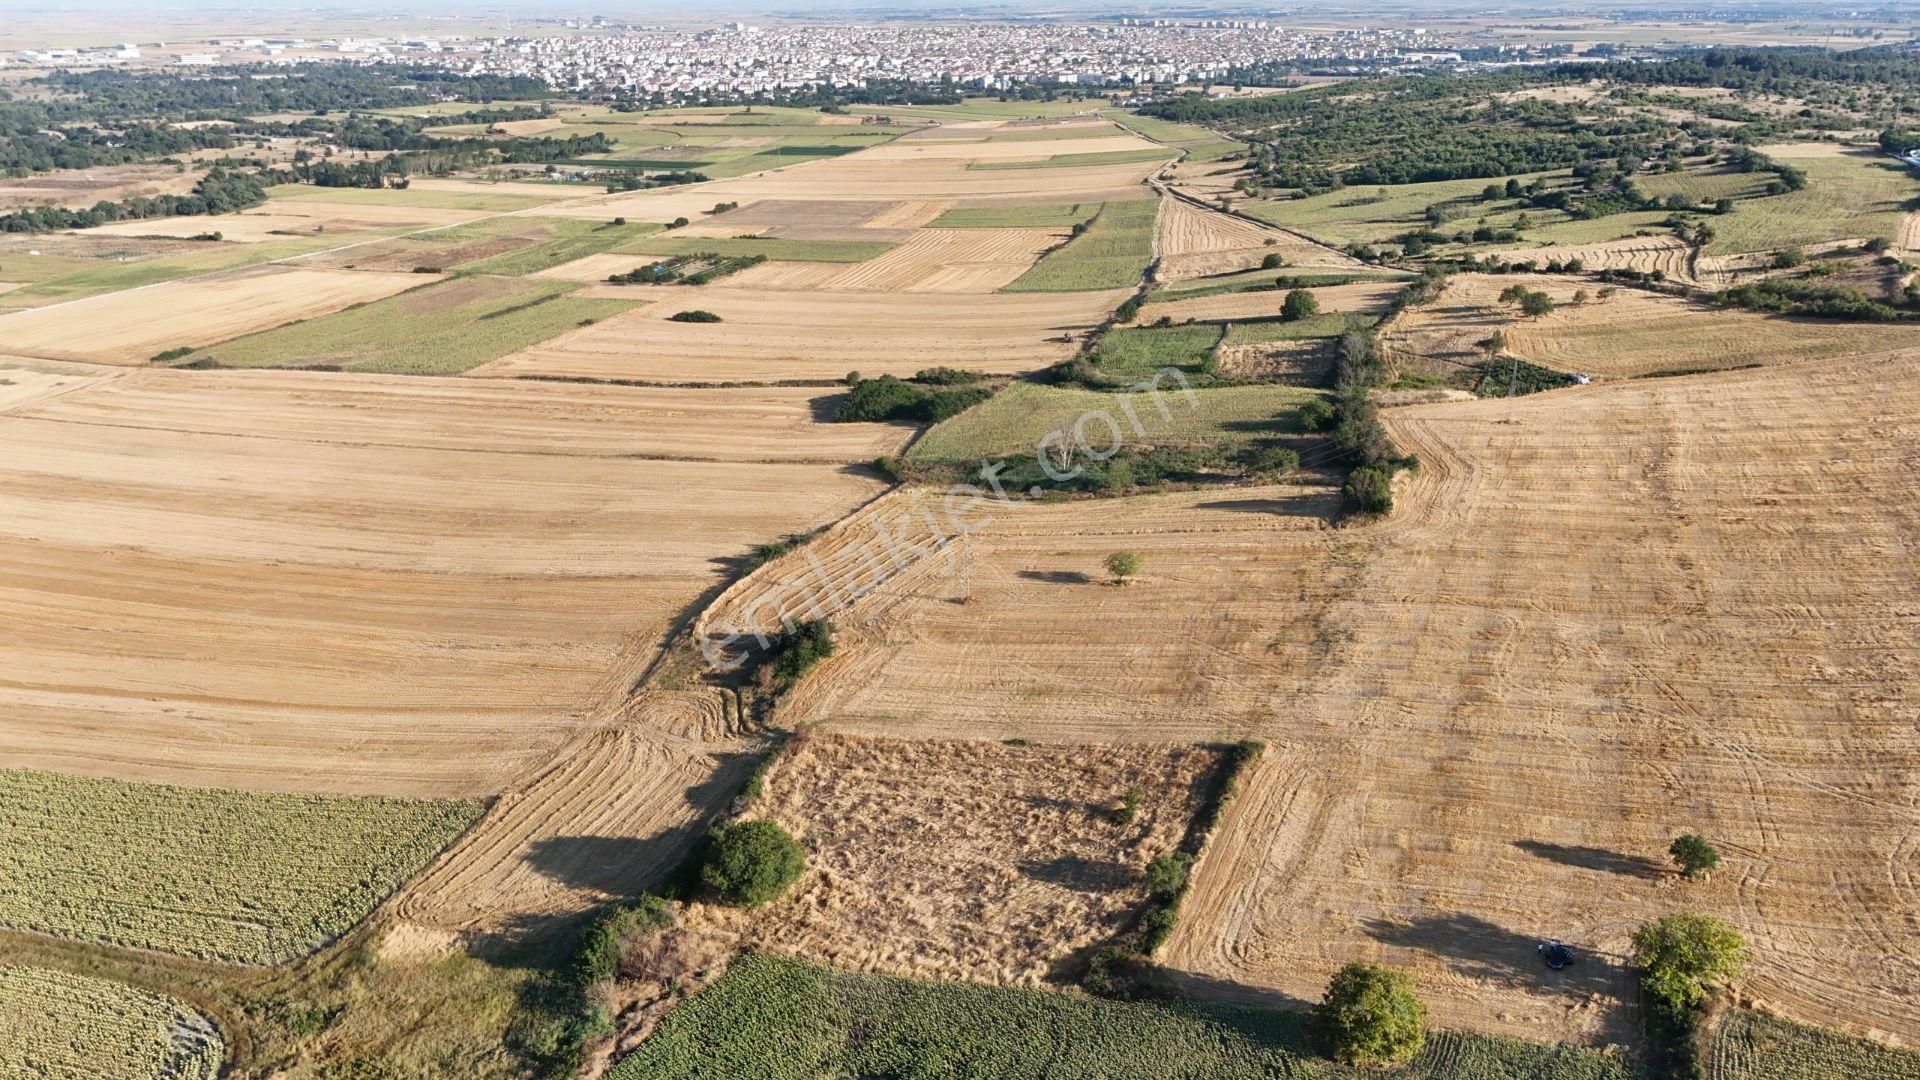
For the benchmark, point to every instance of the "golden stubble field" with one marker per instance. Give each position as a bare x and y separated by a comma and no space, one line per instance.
303,583
1599,618
1630,333
769,335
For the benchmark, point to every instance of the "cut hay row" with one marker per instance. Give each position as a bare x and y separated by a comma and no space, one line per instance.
1669,255
768,336
1629,333
131,327
1196,242
609,818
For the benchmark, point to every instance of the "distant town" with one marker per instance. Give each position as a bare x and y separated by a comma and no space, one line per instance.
737,58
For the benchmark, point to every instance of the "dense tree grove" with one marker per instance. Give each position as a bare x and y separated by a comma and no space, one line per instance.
219,192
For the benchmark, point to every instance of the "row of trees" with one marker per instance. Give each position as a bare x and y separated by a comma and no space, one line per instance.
219,192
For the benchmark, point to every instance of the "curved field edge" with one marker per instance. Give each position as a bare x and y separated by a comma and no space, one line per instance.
775,1018
234,876
71,1026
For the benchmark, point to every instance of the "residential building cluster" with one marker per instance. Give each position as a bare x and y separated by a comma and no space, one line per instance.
740,58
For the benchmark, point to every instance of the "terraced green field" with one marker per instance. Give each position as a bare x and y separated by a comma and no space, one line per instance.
1016,419
73,1027
774,1018
1138,351
240,876
1371,214
1112,254
1326,325
443,329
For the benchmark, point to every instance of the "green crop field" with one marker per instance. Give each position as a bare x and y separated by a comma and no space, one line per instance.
575,239
444,329
74,1027
1751,1046
1556,228
1138,351
1201,144
1016,419
1058,161
1112,254
1051,216
775,1018
1855,195
500,201
241,876
983,109
1703,185
832,251
1327,325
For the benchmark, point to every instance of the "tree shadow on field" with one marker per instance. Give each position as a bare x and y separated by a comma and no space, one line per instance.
1479,949
1080,874
1056,577
1291,506
1593,858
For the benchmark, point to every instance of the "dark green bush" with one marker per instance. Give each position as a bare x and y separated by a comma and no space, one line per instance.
884,398
1167,875
697,315
1368,491
1317,415
607,941
753,862
797,652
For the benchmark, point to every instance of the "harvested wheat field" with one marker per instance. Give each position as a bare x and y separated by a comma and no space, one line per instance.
1667,254
771,336
311,600
1033,149
288,217
1359,297
931,260
130,327
765,423
1630,333
971,860
1195,243
1043,647
616,810
1601,618
77,189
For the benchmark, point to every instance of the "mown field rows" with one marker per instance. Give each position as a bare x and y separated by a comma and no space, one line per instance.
62,1026
247,877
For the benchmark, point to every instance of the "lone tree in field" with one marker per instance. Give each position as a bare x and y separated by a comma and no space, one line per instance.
1535,304
1694,855
1682,956
753,862
1300,304
1123,565
1370,1016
